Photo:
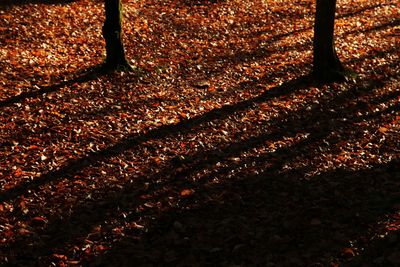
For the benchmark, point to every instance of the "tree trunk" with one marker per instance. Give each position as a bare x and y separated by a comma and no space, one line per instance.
112,33
327,66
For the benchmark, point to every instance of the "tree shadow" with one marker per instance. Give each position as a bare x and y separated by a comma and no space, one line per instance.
359,11
384,250
389,24
238,197
262,53
81,77
264,219
375,54
83,218
339,16
89,214
158,133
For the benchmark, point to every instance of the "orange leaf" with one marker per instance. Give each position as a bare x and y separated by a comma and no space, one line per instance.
17,173
348,252
383,129
24,231
186,192
211,88
39,219
59,256
101,248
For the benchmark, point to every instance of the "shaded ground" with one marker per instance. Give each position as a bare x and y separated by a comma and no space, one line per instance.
217,151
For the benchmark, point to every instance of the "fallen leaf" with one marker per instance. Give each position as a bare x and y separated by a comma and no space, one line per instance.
186,192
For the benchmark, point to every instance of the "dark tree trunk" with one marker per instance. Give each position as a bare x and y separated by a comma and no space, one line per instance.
112,33
327,66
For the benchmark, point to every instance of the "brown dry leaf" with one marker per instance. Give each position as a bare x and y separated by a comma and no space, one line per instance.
17,173
39,221
383,129
348,252
186,192
59,256
24,231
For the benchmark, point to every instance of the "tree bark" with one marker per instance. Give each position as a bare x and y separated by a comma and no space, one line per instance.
327,66
112,33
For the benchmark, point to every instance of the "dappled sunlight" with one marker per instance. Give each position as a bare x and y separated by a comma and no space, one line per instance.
218,149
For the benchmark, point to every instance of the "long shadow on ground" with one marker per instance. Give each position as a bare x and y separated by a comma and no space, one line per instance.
161,132
83,218
286,189
274,216
275,219
81,77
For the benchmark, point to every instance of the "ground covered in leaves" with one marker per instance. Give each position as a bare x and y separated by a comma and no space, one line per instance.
218,150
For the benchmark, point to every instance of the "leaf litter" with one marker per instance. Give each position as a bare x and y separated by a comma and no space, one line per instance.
217,151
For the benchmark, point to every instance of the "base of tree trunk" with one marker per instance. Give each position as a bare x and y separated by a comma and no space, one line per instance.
117,66
333,75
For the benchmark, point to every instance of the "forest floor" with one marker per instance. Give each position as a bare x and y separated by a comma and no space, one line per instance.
218,150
